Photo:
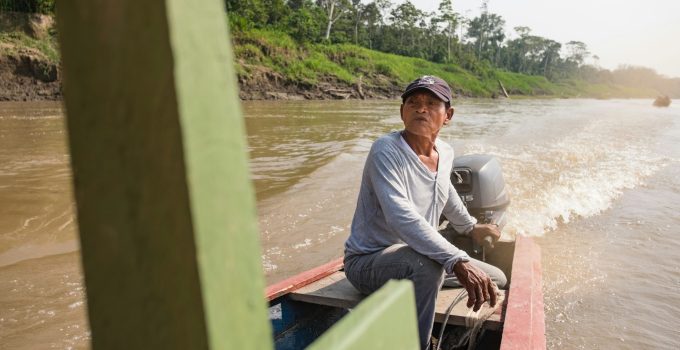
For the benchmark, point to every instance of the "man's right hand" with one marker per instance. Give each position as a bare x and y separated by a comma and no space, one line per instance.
478,284
481,231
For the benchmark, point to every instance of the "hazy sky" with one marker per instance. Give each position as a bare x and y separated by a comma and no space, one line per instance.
644,33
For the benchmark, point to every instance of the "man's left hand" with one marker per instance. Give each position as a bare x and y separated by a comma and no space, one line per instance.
478,284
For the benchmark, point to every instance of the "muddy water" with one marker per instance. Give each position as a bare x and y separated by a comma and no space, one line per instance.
594,180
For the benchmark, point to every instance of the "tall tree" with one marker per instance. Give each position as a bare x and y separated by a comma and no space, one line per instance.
384,7
334,9
405,17
358,11
276,11
449,18
304,24
551,54
522,46
487,31
578,52
250,13
373,20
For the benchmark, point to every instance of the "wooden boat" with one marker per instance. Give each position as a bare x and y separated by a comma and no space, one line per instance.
304,306
662,101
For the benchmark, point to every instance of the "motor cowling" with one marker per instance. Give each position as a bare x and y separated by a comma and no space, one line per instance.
478,179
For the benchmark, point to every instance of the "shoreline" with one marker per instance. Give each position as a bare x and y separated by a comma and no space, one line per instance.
29,77
25,77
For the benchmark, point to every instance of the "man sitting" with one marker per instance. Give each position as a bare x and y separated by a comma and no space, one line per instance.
405,189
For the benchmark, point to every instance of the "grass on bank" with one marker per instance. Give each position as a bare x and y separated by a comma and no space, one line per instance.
309,64
15,42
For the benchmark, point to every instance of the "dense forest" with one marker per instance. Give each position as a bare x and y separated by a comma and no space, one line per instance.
478,44
318,49
28,6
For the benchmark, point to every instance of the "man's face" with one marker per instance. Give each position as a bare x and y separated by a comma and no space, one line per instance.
424,114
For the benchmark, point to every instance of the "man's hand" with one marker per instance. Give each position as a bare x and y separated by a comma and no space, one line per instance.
478,284
479,231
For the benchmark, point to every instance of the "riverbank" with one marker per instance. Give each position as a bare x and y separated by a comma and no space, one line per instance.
29,58
270,65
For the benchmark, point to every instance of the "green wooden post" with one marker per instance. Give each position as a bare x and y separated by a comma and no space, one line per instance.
385,320
166,211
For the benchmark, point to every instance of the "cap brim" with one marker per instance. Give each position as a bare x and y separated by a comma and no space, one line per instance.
441,96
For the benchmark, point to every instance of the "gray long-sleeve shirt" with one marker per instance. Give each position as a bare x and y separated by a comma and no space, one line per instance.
401,200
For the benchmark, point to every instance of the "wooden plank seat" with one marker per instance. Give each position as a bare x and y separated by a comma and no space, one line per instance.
335,290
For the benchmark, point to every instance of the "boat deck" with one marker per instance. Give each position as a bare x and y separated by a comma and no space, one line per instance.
335,290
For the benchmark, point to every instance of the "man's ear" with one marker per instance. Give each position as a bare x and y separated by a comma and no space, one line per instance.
449,115
401,111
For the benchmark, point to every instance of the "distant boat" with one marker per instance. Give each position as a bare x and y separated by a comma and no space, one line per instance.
662,101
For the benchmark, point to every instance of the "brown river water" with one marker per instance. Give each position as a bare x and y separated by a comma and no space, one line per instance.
595,181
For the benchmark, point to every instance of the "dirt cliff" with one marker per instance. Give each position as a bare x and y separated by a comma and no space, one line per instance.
27,72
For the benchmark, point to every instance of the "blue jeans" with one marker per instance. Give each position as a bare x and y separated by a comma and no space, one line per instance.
369,272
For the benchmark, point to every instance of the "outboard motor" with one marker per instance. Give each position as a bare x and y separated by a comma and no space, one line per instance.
478,179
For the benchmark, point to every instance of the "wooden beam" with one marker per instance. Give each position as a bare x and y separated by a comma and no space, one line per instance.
384,320
166,211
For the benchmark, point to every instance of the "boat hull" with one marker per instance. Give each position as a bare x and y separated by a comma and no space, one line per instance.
297,324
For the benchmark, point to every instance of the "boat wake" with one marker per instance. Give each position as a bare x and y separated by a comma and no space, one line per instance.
579,174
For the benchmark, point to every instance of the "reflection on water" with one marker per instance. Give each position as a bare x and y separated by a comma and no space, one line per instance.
594,179
37,211
41,290
288,141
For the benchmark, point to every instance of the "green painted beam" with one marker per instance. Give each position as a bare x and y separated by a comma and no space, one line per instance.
385,320
166,212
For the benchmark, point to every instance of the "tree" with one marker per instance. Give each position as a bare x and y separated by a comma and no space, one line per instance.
522,46
28,6
276,11
578,52
303,24
450,20
244,14
334,9
435,50
551,53
487,31
404,18
373,19
384,8
531,54
357,10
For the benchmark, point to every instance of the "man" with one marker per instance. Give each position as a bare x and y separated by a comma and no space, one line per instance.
405,188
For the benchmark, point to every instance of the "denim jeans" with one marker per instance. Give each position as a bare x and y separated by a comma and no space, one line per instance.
369,272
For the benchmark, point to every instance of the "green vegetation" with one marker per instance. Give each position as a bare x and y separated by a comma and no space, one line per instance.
306,64
25,30
330,38
381,46
30,6
15,42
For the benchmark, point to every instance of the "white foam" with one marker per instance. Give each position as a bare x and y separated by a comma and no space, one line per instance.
553,180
